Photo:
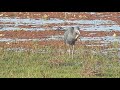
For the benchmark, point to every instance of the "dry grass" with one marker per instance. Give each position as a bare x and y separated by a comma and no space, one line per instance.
49,62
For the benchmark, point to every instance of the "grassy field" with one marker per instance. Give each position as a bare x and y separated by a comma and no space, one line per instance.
53,64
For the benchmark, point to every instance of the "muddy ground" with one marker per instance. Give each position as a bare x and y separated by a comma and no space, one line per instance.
23,34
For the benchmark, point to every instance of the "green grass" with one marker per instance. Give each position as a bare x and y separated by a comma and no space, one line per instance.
28,64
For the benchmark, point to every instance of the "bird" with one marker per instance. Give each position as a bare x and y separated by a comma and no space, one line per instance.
71,35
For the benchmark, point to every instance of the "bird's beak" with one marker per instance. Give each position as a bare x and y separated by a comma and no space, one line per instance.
77,37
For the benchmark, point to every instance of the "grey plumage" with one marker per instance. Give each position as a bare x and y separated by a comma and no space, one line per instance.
70,37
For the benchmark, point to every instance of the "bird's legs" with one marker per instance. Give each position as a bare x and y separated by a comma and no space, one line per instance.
73,47
69,50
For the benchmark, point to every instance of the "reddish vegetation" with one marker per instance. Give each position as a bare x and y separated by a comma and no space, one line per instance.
29,34
21,34
62,15
42,34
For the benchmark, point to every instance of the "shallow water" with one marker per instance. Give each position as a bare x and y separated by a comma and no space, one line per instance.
87,25
8,24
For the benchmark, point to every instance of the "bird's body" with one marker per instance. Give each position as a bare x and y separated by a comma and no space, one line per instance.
70,37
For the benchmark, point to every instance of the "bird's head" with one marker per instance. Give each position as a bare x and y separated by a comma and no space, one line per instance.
77,32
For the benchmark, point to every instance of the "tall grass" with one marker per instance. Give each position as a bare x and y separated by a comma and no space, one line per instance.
47,63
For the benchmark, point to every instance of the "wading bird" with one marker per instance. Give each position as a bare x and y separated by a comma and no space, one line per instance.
71,35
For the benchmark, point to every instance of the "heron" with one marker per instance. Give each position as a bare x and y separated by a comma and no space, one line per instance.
71,35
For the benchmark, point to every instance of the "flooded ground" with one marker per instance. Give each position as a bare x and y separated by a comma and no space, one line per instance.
19,29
